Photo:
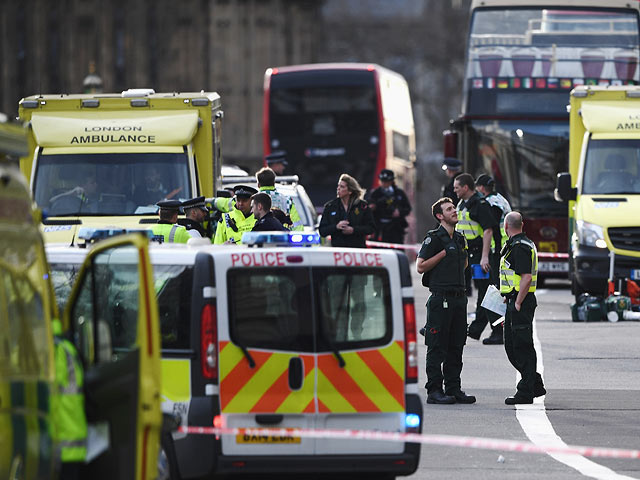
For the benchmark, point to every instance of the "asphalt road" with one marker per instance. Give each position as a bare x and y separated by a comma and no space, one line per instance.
592,376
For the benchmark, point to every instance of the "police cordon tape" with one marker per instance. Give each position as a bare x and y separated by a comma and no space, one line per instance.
398,246
445,440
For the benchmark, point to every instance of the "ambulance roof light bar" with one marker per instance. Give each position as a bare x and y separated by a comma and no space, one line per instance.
281,239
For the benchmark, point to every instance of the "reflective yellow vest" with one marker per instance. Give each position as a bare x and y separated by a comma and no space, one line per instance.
509,280
232,225
497,200
468,227
68,400
171,233
278,200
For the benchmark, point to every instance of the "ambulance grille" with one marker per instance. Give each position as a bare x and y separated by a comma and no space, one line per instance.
625,238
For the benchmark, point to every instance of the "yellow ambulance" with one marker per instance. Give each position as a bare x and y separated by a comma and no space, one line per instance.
603,185
106,159
113,321
278,335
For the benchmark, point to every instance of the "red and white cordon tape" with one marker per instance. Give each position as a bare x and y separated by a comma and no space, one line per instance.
446,440
398,246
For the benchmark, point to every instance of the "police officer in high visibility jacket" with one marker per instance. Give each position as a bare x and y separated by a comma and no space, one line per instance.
68,409
239,220
266,178
477,224
499,207
167,228
443,257
518,277
196,212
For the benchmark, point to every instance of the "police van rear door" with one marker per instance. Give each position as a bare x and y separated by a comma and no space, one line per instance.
113,316
361,358
267,364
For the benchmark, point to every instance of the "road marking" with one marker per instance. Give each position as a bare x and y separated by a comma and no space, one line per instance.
536,425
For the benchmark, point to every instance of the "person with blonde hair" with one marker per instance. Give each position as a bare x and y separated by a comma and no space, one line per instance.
347,218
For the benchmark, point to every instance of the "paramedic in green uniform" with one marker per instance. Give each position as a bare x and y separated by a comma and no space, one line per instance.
443,258
518,278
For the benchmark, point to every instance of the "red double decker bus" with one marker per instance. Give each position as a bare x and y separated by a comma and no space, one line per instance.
338,118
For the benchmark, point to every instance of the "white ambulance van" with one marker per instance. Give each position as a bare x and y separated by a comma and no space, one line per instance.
283,337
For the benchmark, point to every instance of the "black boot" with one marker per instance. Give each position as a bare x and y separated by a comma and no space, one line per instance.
438,397
496,337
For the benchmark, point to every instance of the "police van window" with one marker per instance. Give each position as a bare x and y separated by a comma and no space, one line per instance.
173,286
270,308
109,184
26,340
353,306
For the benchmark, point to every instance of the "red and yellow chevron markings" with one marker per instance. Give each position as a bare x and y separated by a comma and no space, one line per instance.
371,381
264,388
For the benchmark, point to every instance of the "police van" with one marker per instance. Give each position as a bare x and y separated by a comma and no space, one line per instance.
121,359
283,337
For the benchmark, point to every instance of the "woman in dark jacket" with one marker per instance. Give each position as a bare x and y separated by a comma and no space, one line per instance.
347,218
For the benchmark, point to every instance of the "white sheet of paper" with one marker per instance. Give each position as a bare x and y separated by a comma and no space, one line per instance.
97,440
495,302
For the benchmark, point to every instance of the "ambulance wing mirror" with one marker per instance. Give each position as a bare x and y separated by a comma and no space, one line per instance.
564,192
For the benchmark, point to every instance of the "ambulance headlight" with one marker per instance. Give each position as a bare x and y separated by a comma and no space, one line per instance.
411,420
590,234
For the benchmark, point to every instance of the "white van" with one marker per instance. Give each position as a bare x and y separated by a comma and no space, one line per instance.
283,337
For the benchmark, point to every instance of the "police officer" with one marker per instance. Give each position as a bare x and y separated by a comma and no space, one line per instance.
167,226
239,220
443,258
390,206
518,277
452,168
347,218
476,223
266,178
195,211
68,405
261,209
485,185
277,161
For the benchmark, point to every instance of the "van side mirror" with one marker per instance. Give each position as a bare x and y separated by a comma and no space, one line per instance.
564,192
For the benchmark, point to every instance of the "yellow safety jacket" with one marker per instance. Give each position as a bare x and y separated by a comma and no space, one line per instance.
497,200
70,422
509,279
466,226
171,233
278,200
232,225
286,204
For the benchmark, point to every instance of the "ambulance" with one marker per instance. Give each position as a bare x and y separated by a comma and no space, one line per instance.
602,186
106,159
112,316
281,336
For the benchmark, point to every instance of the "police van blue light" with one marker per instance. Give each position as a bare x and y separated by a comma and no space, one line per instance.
281,239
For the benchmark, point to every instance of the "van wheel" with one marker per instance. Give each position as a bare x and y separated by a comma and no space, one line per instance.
576,289
167,463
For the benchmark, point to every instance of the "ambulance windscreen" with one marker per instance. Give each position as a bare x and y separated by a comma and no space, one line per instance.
109,183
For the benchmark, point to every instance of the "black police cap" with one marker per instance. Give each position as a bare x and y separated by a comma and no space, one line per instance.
485,180
277,157
197,202
451,162
244,191
170,204
386,175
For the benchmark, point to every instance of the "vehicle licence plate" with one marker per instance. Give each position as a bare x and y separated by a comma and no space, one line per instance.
635,274
553,266
271,439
